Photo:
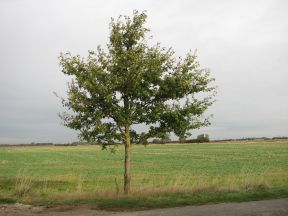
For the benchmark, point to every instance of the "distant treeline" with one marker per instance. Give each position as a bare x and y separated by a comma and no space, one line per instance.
42,144
253,138
202,138
30,144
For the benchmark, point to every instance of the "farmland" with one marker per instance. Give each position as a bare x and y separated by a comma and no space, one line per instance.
162,175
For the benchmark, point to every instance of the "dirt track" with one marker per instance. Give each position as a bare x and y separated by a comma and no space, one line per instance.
277,207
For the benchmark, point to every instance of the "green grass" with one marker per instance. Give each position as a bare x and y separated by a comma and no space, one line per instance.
162,175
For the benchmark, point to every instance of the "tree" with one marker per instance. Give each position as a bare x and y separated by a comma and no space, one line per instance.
203,138
131,83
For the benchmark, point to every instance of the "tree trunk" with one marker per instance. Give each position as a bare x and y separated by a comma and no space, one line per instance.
127,175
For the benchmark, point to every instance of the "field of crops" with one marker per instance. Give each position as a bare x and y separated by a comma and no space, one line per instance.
76,172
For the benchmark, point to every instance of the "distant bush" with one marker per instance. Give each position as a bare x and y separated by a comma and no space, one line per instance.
157,141
203,138
200,139
66,144
160,141
165,139
182,140
283,137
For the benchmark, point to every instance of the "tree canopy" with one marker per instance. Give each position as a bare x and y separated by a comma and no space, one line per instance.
130,82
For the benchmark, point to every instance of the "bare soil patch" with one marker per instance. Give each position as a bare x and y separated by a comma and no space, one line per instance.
278,207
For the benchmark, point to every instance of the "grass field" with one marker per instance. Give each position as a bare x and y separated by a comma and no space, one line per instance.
162,175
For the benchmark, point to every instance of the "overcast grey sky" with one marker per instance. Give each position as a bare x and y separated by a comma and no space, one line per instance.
244,43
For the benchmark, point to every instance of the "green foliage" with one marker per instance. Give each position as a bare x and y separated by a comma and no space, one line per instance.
130,83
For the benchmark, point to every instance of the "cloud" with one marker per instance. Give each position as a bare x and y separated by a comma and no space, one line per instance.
243,42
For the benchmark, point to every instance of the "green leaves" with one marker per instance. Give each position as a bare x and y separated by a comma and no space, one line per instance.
130,83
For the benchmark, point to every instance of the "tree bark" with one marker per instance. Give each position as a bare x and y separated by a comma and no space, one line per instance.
127,175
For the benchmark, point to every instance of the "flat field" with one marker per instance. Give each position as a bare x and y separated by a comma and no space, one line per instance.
162,175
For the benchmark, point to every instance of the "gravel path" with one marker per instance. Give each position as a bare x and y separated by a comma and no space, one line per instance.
278,207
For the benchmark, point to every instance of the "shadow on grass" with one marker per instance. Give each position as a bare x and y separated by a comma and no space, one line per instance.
166,200
7,200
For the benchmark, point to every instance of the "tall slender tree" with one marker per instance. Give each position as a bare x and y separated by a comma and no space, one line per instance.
130,83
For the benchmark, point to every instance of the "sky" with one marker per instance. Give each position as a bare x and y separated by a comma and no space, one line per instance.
244,43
